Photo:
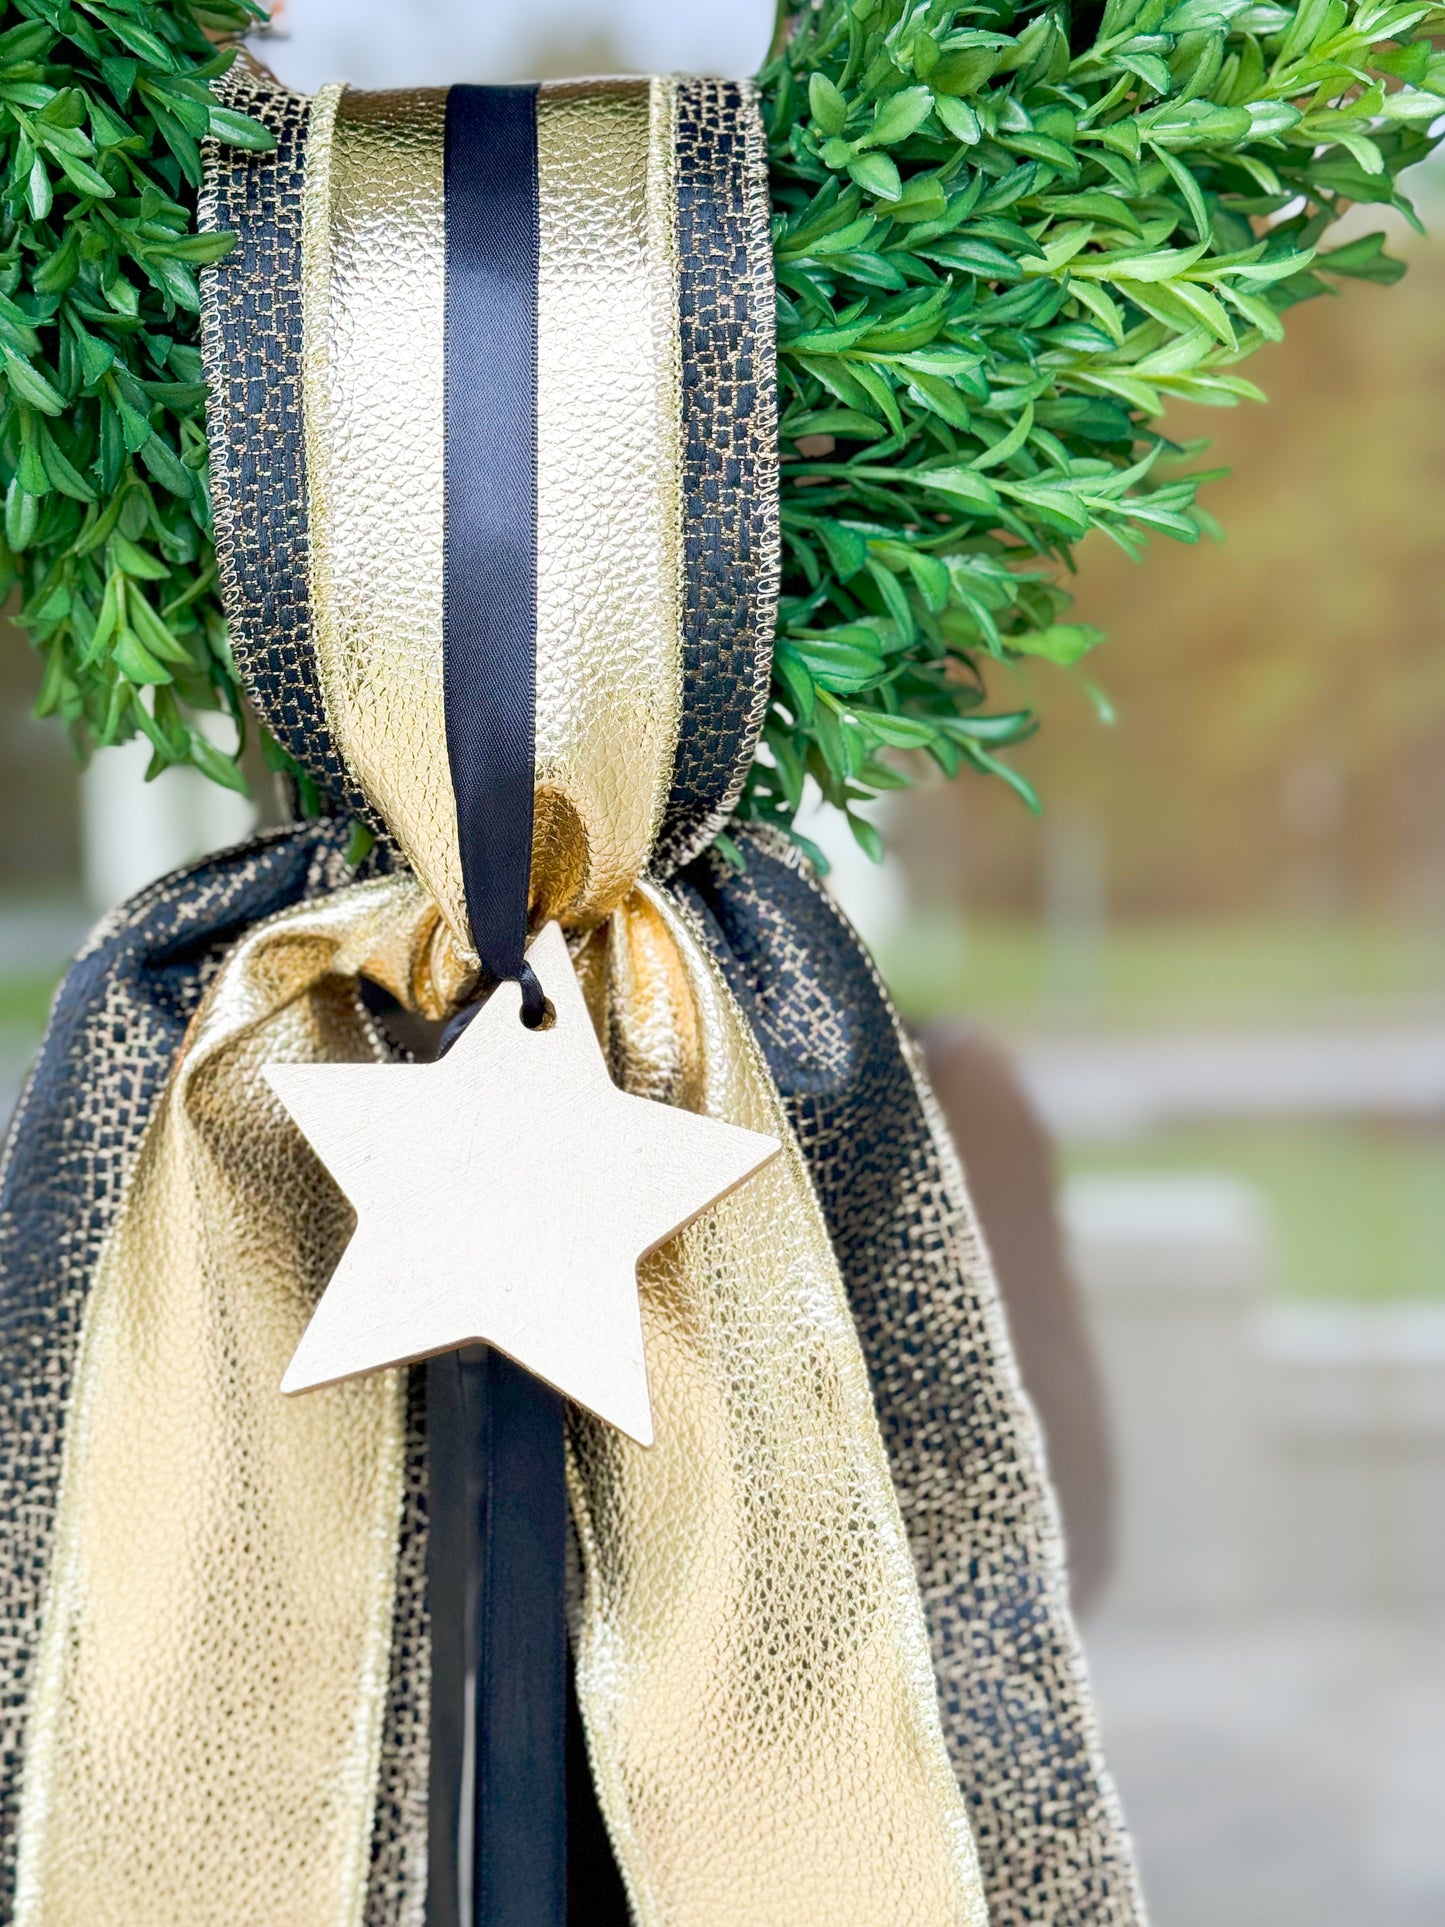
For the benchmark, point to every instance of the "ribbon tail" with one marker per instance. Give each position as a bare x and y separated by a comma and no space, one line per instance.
750,1640
118,1022
213,1676
964,1448
497,1546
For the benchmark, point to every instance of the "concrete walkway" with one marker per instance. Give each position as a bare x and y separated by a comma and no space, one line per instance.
1116,1084
1285,1772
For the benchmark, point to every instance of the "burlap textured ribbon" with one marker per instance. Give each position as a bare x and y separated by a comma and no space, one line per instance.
223,1700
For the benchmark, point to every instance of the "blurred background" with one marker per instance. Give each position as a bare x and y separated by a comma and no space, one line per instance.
1216,969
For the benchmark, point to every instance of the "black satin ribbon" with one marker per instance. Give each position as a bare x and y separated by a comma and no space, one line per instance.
490,613
497,1500
496,1556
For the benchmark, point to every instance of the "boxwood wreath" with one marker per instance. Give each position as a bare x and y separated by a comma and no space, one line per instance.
1006,238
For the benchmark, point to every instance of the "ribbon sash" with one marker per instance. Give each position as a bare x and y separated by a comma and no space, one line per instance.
496,1559
493,239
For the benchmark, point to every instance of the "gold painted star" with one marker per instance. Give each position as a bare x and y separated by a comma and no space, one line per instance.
504,1196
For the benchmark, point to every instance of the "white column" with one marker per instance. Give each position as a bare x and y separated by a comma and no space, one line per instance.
135,831
376,43
1174,1271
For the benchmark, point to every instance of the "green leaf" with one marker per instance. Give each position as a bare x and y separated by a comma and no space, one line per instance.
897,117
135,562
1271,117
197,249
239,130
934,582
96,357
84,179
139,39
1189,188
980,258
1363,260
922,199
22,517
960,119
135,662
867,837
879,390
962,485
38,194
1063,642
61,472
1008,445
153,633
962,72
30,385
839,421
937,394
847,548
829,108
1412,106
167,468
895,598
877,174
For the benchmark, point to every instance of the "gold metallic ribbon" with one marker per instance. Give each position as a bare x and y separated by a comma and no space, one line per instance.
609,531
753,1663
206,1714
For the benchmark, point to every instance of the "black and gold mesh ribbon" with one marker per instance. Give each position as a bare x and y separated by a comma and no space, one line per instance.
823,1656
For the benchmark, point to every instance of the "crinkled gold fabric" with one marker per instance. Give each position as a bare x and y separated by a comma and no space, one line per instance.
752,1658
205,1717
753,1661
963,1445
609,650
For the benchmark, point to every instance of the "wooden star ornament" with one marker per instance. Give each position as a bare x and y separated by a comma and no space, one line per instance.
504,1196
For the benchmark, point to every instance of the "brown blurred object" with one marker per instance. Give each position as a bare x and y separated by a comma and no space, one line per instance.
1009,1161
1280,745
39,793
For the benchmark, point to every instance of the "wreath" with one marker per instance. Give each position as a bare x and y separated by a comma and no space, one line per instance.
1005,241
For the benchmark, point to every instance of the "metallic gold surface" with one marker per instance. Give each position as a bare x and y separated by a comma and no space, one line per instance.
753,1663
206,1716
753,1657
609,661
609,610
963,1444
374,314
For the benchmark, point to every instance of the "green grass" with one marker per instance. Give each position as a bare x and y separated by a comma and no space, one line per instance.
1166,975
1357,1210
25,1004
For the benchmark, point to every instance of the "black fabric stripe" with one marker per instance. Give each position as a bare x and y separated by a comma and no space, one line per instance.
251,334
726,298
490,620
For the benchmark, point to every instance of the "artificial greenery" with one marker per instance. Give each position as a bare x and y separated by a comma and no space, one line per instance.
1005,239
103,444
